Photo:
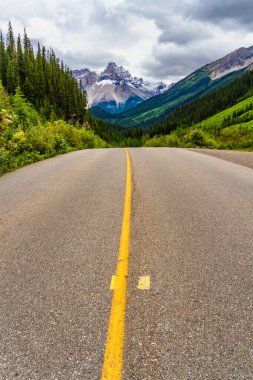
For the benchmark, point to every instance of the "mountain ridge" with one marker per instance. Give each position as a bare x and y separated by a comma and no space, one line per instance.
236,60
115,89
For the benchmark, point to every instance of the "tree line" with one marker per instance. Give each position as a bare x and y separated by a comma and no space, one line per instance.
44,80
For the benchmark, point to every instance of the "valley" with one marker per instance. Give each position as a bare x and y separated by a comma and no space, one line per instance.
204,80
210,108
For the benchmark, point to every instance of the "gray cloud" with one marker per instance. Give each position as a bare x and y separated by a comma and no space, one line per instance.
163,40
239,10
175,63
178,30
194,33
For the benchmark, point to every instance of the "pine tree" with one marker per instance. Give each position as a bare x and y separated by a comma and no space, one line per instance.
10,43
20,62
11,69
3,61
42,78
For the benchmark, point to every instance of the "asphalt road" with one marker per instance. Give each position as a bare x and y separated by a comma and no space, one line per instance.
191,233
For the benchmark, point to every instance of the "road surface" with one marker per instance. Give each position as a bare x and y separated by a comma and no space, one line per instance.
191,238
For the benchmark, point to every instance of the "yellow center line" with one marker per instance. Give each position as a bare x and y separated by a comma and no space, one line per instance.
113,359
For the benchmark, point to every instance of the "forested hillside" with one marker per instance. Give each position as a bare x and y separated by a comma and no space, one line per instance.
206,106
25,136
44,80
42,108
231,128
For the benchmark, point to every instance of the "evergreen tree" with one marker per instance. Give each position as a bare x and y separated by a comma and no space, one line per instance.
11,69
3,61
20,62
42,78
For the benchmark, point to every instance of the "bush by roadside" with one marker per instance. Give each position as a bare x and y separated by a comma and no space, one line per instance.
25,137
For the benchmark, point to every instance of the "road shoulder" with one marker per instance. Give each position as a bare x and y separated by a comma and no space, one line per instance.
240,158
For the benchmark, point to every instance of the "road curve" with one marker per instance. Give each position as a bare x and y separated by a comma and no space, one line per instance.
191,234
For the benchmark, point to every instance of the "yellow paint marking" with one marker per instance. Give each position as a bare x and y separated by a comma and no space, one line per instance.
144,283
113,283
113,359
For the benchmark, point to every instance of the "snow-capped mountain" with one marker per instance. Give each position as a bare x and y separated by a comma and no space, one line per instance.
115,90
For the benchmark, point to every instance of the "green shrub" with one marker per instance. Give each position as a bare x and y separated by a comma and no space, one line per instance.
38,140
195,137
5,160
61,145
164,141
8,134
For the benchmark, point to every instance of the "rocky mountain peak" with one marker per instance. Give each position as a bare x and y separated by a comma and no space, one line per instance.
111,65
237,60
114,89
86,76
114,72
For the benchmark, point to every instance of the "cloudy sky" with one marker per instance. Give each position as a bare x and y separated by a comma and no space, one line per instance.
156,39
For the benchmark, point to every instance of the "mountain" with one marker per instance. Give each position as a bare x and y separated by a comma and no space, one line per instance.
202,81
115,90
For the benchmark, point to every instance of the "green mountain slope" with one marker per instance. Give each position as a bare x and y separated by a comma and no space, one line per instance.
229,129
206,106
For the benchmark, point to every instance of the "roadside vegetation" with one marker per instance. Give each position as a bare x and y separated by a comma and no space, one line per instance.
26,137
42,108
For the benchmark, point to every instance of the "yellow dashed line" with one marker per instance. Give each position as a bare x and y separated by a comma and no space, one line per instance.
113,283
144,283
